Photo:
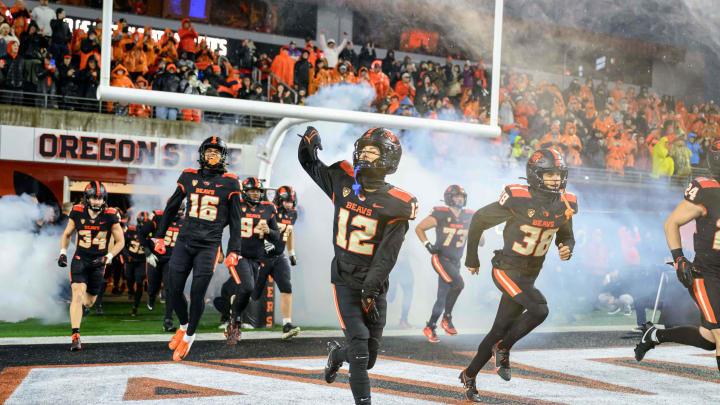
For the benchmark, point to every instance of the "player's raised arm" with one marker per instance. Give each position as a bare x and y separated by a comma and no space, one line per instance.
307,155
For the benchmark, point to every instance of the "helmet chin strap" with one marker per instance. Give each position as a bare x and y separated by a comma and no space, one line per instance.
357,186
367,179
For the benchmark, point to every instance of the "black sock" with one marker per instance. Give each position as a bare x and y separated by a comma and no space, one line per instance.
686,335
75,330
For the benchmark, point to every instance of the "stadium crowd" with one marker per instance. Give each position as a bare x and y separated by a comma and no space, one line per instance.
594,124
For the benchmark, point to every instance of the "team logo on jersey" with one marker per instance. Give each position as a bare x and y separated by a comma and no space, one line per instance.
244,209
194,183
531,212
280,216
449,220
82,221
361,197
346,191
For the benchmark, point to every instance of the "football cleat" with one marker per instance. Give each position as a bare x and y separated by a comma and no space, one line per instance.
233,333
175,340
502,362
471,392
332,366
99,310
646,342
168,326
86,310
150,306
133,312
182,350
448,325
429,332
76,345
289,331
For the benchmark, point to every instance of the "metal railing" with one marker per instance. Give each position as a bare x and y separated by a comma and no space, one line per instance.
270,87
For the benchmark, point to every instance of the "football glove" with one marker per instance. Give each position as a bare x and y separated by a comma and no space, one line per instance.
152,260
269,247
311,140
430,247
159,245
62,260
232,259
293,259
102,261
685,271
370,307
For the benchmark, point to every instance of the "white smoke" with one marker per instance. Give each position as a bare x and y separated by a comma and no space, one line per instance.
30,278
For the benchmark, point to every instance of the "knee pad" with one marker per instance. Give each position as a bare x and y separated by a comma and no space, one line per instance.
458,284
539,311
221,304
373,347
358,354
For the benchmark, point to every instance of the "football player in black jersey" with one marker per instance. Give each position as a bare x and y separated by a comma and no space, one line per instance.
702,276
213,201
533,216
451,225
159,264
371,219
135,264
274,262
259,225
93,223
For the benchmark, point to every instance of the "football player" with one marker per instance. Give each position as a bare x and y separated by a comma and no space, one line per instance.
702,276
534,215
371,219
274,262
259,223
159,264
213,201
451,225
135,265
94,224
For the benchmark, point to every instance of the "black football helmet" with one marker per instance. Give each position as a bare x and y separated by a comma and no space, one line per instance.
284,193
95,189
217,143
252,183
542,161
142,218
390,150
713,158
451,192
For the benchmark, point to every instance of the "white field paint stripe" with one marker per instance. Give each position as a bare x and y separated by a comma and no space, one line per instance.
263,335
107,385
669,389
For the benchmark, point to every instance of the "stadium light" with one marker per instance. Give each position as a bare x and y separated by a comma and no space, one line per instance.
299,114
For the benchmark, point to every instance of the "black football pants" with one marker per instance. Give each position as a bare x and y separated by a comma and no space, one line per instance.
135,273
241,285
522,308
160,276
362,338
450,285
201,261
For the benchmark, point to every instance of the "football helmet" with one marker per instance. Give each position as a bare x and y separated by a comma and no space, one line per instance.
284,193
390,150
95,189
142,219
252,183
542,161
451,192
214,164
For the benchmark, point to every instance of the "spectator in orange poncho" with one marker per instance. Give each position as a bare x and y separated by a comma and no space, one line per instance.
616,155
168,47
78,35
312,55
363,76
90,46
119,78
135,59
524,108
342,74
150,47
188,37
617,93
283,66
322,77
379,80
120,39
204,56
551,139
141,110
20,18
603,122
405,88
232,85
573,144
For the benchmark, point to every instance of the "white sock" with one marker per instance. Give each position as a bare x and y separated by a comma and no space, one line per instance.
184,327
286,321
189,338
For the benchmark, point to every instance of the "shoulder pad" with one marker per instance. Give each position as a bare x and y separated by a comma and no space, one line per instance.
440,208
78,207
570,197
190,171
400,194
231,175
158,212
705,182
131,228
518,190
469,211
111,211
267,203
347,168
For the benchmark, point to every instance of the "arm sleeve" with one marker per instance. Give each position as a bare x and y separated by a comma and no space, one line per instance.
317,170
144,235
385,256
565,235
274,235
235,214
484,218
171,208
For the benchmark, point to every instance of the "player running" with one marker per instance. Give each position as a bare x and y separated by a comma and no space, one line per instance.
136,267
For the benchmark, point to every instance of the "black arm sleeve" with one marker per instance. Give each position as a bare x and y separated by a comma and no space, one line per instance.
385,256
234,220
274,234
144,235
170,211
484,218
565,235
317,170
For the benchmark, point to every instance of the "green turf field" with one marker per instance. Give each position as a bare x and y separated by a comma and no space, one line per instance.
115,321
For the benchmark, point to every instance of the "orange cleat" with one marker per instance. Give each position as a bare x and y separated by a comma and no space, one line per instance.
181,351
448,325
176,339
430,334
76,345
